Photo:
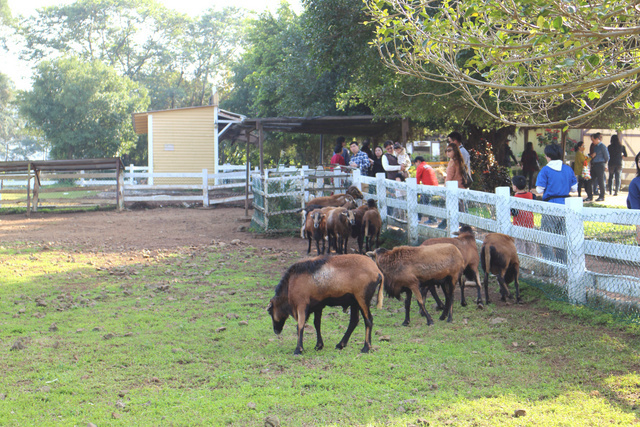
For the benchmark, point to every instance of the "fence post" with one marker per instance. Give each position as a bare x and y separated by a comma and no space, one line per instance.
576,266
355,179
412,212
266,199
381,192
503,210
119,189
453,207
305,184
205,188
337,182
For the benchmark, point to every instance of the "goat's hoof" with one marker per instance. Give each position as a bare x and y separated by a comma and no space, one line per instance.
298,352
430,323
442,317
463,303
405,323
480,306
365,349
340,346
319,346
519,301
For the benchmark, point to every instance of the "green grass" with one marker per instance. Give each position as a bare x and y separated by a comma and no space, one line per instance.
183,338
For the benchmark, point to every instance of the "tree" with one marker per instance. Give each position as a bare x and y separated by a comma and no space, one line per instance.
83,108
543,62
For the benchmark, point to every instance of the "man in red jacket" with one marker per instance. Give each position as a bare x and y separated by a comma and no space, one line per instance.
425,173
427,176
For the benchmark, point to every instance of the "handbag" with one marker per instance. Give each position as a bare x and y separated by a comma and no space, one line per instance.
586,171
466,180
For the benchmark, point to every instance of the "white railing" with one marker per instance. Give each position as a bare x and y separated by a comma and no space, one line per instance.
586,252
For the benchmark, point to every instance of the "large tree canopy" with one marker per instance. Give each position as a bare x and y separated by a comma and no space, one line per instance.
83,108
170,53
542,62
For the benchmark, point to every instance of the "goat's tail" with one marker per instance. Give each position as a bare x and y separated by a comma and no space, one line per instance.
487,259
380,290
366,228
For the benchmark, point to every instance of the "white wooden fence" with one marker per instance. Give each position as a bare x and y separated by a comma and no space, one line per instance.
100,187
590,254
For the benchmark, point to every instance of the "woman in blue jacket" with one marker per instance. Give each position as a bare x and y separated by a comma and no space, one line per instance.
633,199
555,181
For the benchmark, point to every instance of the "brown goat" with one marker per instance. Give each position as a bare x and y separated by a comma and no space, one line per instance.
338,199
371,226
309,286
339,224
465,241
315,228
499,256
406,269
357,231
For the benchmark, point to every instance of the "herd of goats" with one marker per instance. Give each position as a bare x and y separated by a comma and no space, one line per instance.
351,280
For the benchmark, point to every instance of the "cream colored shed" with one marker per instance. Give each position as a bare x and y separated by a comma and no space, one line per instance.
184,140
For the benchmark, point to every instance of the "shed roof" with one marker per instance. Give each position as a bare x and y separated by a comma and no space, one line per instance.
325,125
141,120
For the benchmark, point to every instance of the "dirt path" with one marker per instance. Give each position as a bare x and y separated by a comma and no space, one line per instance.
153,229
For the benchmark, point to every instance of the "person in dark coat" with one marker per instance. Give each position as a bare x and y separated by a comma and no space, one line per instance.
529,162
377,162
616,153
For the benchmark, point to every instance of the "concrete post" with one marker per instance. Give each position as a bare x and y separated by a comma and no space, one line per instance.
576,265
412,212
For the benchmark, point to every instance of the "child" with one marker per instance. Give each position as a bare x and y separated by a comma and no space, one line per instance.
522,218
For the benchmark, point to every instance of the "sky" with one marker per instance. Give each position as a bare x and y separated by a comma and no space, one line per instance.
20,72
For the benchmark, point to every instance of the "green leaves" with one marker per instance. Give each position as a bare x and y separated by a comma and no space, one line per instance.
83,108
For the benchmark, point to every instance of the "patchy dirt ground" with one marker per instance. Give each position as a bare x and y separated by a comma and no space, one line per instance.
152,229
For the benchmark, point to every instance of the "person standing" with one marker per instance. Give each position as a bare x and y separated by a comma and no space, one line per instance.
456,138
337,159
506,155
345,152
579,164
521,217
359,159
555,181
376,167
529,163
633,199
456,166
425,174
366,147
403,160
390,162
616,153
599,160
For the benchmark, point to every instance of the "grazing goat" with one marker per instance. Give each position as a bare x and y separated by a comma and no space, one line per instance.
315,228
339,224
465,241
309,286
371,226
407,269
499,256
